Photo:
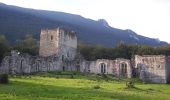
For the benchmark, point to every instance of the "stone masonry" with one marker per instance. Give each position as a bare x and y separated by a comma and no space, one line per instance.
58,52
153,68
119,67
58,42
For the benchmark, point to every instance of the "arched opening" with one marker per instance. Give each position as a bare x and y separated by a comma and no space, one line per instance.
63,68
37,66
62,58
123,69
103,68
51,37
21,67
78,68
68,54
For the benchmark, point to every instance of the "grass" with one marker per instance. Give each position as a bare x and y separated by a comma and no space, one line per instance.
78,86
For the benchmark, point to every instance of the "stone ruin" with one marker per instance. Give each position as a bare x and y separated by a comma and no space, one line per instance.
58,52
153,68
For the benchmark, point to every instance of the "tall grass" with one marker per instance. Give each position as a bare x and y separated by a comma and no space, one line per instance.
45,86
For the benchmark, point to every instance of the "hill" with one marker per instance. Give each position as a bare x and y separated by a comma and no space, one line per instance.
16,22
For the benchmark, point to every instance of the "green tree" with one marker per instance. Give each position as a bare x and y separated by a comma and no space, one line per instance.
146,50
4,47
28,45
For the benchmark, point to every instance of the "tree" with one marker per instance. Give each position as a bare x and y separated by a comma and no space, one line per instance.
28,45
4,47
122,51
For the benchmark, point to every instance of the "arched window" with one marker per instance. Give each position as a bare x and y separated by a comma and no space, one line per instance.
49,66
62,57
21,67
38,64
63,68
68,54
123,67
51,37
103,67
77,68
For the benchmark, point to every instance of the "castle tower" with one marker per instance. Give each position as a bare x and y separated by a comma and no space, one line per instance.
58,42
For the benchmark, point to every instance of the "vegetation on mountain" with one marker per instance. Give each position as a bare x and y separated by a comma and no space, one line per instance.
4,47
28,45
121,51
17,22
31,46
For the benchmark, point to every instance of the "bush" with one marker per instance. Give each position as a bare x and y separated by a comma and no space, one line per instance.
4,78
130,84
72,76
96,87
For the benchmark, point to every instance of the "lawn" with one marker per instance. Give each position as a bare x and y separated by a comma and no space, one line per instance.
72,86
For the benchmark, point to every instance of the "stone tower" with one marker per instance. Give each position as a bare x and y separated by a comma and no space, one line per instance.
60,42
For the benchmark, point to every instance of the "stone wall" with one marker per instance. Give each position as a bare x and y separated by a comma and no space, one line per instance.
124,67
58,52
151,68
168,69
25,64
106,66
49,42
58,41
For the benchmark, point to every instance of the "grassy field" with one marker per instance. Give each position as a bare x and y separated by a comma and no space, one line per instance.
73,86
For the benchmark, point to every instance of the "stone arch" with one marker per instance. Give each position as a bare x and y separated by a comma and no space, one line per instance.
123,69
103,67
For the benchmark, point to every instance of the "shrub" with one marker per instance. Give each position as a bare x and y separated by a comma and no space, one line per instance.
72,76
74,73
4,78
129,84
105,77
96,87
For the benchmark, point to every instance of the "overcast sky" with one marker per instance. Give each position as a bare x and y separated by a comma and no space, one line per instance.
149,18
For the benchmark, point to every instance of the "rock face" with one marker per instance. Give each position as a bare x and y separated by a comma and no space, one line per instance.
58,52
155,68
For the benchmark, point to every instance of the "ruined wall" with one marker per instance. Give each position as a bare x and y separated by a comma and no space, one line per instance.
67,44
151,68
58,42
25,64
123,68
106,66
168,69
49,42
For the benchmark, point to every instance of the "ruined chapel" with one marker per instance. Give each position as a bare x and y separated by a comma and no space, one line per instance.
58,51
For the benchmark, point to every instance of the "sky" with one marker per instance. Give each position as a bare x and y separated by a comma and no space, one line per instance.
149,18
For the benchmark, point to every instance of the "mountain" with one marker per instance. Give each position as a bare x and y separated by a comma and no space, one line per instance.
16,22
